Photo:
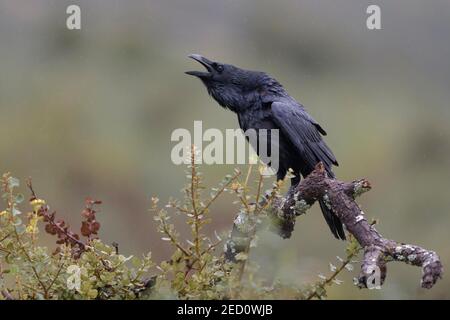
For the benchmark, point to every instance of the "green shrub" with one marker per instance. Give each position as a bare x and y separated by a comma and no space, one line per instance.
83,267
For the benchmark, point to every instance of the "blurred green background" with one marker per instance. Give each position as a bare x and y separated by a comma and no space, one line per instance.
90,112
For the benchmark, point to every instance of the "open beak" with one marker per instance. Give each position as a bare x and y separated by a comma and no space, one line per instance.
205,62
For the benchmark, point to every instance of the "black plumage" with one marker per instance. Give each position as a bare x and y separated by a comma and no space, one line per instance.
261,102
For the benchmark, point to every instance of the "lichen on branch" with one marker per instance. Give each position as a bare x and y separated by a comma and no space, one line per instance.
340,196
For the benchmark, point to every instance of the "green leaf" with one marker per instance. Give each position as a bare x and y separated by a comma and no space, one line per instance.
20,228
13,269
92,293
241,256
13,182
16,211
19,198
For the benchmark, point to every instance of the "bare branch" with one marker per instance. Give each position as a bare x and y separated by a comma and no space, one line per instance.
341,197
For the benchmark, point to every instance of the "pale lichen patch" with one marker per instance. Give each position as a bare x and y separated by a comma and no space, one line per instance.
359,188
326,200
301,207
412,257
243,222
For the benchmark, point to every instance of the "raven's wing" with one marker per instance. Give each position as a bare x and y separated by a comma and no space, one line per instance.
305,134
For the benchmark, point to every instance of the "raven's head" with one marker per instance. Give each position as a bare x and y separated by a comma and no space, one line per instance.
230,86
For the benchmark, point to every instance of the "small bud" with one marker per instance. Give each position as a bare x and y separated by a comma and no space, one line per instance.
349,267
37,204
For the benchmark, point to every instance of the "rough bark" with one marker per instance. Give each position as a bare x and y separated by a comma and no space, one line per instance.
340,196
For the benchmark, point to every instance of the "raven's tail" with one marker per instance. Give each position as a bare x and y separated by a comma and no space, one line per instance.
333,221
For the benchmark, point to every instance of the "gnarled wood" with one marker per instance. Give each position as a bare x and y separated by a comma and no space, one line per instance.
340,196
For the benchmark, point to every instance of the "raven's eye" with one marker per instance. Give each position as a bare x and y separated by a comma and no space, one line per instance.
219,68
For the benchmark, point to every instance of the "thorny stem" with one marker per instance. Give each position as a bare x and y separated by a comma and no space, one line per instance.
44,211
21,245
5,250
30,186
5,237
247,177
61,265
190,264
333,276
36,274
193,190
268,200
252,234
75,240
244,202
219,192
197,213
258,192
173,240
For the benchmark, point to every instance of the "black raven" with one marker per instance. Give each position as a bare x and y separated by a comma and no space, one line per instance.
261,102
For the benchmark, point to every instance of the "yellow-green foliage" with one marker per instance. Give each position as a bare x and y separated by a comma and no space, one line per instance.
31,271
196,269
